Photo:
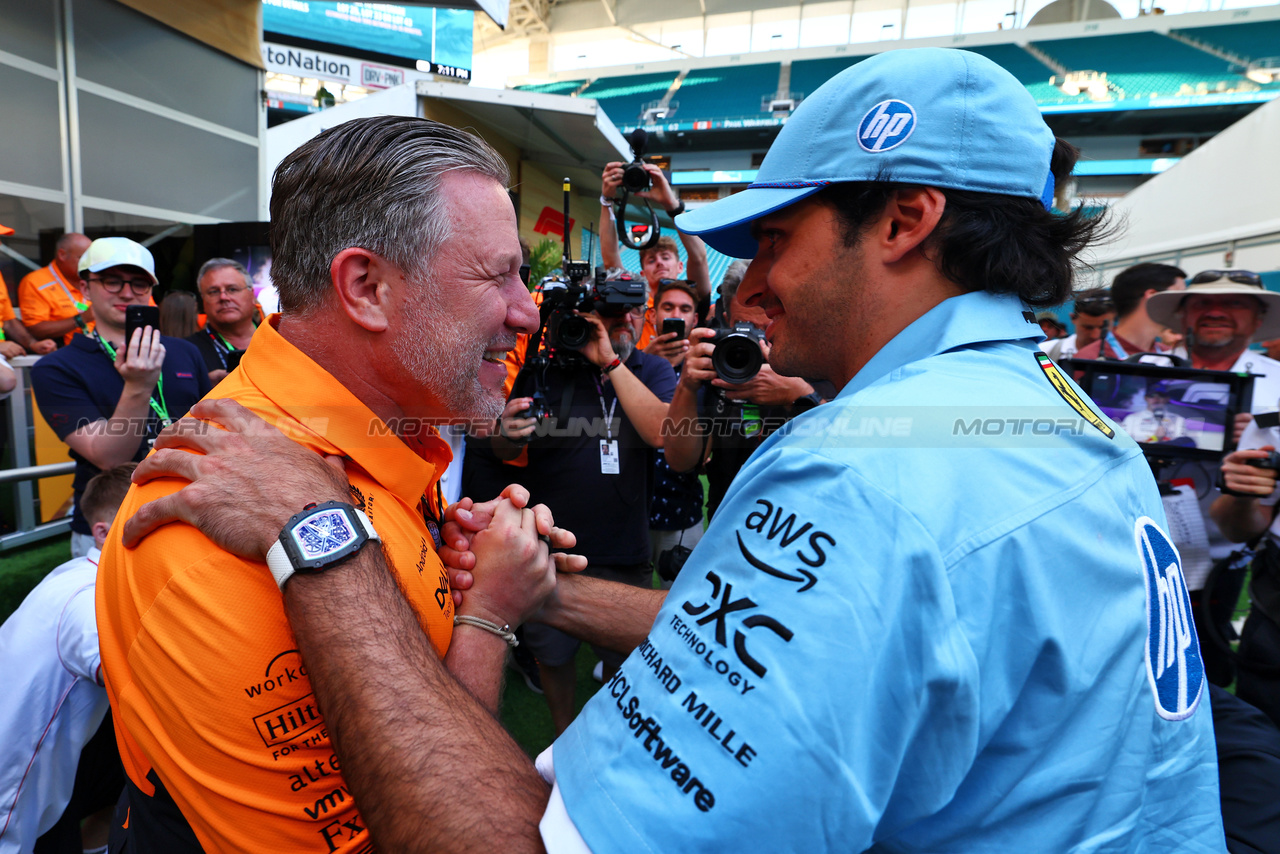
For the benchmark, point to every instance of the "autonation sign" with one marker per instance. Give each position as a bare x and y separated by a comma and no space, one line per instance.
302,62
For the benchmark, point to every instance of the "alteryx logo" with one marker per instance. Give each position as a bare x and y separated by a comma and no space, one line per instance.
886,125
1174,666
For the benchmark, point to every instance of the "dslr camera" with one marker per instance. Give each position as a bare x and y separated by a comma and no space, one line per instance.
737,356
634,177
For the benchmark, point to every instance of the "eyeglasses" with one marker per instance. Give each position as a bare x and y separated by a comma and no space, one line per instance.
1095,305
215,293
1240,277
115,284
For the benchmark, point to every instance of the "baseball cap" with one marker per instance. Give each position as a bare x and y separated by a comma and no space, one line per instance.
5,230
108,252
939,117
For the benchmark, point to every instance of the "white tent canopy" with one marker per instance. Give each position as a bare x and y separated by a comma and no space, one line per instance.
1219,206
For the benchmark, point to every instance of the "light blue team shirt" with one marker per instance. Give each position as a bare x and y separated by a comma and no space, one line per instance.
918,622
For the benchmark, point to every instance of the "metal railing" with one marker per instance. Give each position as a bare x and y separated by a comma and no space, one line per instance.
19,414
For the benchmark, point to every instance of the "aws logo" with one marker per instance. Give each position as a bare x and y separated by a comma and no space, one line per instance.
1174,666
886,126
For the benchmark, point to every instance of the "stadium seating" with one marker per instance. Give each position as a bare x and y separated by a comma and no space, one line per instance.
1133,53
722,93
559,87
808,74
624,98
1016,61
1258,40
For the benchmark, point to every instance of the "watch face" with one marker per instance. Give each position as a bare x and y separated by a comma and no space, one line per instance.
322,534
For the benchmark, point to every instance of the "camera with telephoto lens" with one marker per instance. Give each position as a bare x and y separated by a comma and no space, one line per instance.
737,356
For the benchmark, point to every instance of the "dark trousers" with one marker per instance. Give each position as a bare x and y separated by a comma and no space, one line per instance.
99,779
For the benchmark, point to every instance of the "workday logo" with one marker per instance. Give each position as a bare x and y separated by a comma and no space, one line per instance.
886,125
1174,666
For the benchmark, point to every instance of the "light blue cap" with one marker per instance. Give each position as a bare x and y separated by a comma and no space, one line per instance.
939,117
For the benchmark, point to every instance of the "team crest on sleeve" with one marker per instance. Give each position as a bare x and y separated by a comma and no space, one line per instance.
886,125
1175,669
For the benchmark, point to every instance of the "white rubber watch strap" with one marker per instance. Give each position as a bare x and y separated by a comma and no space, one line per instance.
281,567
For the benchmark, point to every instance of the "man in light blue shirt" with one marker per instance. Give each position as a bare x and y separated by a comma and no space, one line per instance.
937,614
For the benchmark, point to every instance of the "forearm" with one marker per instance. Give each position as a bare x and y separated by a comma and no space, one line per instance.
52,328
696,268
606,613
429,766
114,441
476,659
643,408
684,435
15,331
610,256
1239,519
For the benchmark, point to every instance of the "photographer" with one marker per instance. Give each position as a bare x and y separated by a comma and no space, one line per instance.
591,462
662,260
709,416
1092,314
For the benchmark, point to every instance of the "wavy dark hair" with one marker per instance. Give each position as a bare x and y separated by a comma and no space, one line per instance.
984,241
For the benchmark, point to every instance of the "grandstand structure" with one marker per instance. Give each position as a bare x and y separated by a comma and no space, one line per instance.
1135,94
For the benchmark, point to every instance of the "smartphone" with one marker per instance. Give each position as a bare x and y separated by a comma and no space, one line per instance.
673,324
138,316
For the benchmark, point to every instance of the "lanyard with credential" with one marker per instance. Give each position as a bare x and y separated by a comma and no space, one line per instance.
1114,343
221,345
608,414
158,406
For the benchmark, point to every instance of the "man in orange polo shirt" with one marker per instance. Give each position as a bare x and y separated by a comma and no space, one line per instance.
392,321
15,340
51,299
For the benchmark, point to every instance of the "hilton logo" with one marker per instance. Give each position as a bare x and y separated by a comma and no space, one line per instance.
287,722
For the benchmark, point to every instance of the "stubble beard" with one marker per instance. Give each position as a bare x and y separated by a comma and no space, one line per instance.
447,365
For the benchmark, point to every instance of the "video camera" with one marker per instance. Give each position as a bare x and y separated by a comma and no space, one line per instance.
562,328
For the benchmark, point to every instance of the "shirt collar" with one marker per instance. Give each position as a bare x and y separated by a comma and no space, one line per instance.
333,420
970,318
94,555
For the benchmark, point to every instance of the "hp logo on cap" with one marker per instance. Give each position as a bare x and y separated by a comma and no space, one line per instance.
886,125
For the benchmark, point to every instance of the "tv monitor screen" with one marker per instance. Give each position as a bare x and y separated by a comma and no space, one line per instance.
1169,412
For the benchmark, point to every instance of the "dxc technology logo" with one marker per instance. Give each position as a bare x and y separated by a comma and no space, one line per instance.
1174,666
886,125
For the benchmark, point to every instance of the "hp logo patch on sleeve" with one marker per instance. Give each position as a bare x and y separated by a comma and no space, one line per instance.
1174,666
886,125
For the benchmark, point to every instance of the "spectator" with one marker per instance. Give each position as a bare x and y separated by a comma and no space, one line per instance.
58,759
15,340
106,398
662,260
54,304
1092,315
1052,328
675,520
229,310
178,314
596,482
1135,332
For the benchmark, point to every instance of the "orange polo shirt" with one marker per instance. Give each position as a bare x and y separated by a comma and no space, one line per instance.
6,305
41,296
205,680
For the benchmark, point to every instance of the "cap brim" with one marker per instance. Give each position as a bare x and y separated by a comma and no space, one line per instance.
726,225
5,231
1163,308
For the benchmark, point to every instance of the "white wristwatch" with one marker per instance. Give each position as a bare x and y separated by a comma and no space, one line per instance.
317,538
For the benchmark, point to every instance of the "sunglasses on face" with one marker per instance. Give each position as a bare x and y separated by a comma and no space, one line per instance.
1240,277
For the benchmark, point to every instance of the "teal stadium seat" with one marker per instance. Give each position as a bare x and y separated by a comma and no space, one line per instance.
808,74
725,93
624,98
1016,61
1255,40
559,87
1134,53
